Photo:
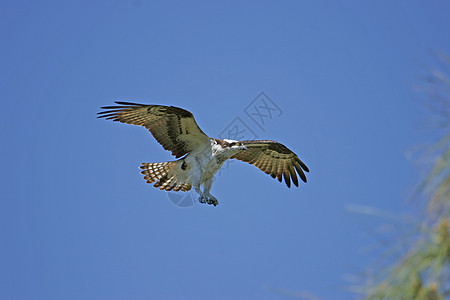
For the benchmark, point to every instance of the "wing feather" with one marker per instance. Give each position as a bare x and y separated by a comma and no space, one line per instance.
293,174
268,169
300,171
173,127
273,170
279,172
287,176
265,166
274,159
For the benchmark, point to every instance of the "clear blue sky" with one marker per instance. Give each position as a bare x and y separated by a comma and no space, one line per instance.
78,222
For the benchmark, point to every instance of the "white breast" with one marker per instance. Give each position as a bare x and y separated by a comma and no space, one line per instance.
203,164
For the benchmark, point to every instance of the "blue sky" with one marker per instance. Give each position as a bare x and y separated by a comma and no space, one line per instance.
78,222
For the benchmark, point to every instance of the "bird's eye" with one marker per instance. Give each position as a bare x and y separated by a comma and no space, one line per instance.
238,143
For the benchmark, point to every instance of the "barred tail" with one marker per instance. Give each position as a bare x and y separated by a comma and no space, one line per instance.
164,173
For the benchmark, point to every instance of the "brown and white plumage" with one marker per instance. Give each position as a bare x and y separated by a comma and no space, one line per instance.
173,127
200,156
274,159
164,175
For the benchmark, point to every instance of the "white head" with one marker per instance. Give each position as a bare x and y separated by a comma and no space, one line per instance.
235,145
224,149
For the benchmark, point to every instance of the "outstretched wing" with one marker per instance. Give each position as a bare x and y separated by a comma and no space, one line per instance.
274,159
173,127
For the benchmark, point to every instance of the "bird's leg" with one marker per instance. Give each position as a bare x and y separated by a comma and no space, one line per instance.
202,197
210,199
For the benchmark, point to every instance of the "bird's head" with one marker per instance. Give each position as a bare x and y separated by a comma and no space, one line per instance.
235,145
227,148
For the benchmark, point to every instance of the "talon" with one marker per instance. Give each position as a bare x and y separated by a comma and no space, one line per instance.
208,200
212,201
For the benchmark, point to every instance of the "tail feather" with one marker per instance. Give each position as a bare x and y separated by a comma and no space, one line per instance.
164,175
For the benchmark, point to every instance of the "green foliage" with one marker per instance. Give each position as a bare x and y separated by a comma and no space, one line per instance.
423,270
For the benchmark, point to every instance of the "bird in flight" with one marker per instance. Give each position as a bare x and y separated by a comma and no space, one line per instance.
199,157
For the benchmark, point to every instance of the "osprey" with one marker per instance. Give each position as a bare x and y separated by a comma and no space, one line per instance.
199,156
